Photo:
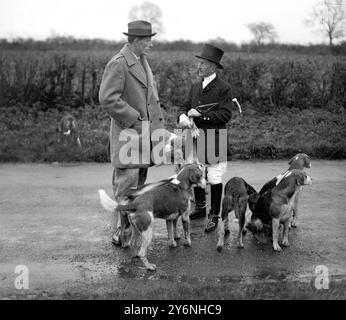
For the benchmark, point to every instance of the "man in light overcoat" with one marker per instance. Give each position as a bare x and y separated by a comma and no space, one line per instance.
128,93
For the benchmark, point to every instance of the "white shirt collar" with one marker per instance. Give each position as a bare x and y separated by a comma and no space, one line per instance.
209,79
136,56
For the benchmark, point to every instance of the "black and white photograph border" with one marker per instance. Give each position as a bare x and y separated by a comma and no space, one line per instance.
288,98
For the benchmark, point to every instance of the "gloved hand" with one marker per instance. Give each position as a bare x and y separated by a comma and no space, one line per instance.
184,121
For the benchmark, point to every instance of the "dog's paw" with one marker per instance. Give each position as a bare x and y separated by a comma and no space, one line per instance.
172,243
285,243
187,242
219,245
277,248
219,248
240,245
151,267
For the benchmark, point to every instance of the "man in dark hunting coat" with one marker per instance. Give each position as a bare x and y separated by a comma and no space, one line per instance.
128,93
210,105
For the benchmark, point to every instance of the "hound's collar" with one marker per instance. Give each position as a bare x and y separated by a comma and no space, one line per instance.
181,185
283,175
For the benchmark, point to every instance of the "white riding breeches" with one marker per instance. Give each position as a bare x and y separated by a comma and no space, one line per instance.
214,172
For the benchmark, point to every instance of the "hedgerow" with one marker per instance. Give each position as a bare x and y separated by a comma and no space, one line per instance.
292,103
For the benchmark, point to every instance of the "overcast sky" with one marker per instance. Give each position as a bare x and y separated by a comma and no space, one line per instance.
197,20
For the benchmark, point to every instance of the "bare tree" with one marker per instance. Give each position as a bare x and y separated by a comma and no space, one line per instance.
150,12
330,18
262,31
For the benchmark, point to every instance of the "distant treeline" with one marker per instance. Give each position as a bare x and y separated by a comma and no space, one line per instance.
70,43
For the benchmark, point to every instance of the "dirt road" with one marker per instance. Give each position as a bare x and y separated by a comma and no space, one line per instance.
52,223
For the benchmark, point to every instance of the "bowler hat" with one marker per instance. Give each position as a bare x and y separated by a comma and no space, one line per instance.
139,28
212,54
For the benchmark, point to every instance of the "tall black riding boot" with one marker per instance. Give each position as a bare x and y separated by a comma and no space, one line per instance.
200,204
213,216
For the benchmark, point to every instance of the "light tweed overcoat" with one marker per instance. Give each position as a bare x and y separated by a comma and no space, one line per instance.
128,93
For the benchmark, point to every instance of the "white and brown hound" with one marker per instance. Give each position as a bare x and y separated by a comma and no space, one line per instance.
299,161
276,206
237,195
167,201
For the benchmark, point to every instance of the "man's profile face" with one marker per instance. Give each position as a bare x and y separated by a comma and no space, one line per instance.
206,68
143,45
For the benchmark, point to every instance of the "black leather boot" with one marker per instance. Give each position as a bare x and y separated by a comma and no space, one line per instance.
200,204
213,216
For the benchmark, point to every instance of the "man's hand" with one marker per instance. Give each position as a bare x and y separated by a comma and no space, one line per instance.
193,113
184,121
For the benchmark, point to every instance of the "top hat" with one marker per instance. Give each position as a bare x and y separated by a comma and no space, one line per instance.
212,54
139,28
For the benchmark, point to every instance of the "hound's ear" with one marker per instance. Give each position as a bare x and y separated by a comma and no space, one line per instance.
184,173
307,162
249,189
296,157
301,178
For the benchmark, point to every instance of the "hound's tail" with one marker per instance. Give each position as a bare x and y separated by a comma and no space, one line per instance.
106,202
237,207
227,206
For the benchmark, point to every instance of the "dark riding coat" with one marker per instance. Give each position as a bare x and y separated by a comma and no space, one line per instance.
217,91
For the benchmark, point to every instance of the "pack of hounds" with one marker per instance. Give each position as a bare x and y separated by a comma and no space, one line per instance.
274,205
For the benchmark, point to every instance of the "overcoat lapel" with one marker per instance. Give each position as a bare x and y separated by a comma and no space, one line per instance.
134,66
150,77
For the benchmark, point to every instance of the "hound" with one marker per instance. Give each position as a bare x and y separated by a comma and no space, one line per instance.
276,206
167,201
68,130
237,195
299,161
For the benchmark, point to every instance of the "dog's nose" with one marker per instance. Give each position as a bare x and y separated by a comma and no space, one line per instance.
308,180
